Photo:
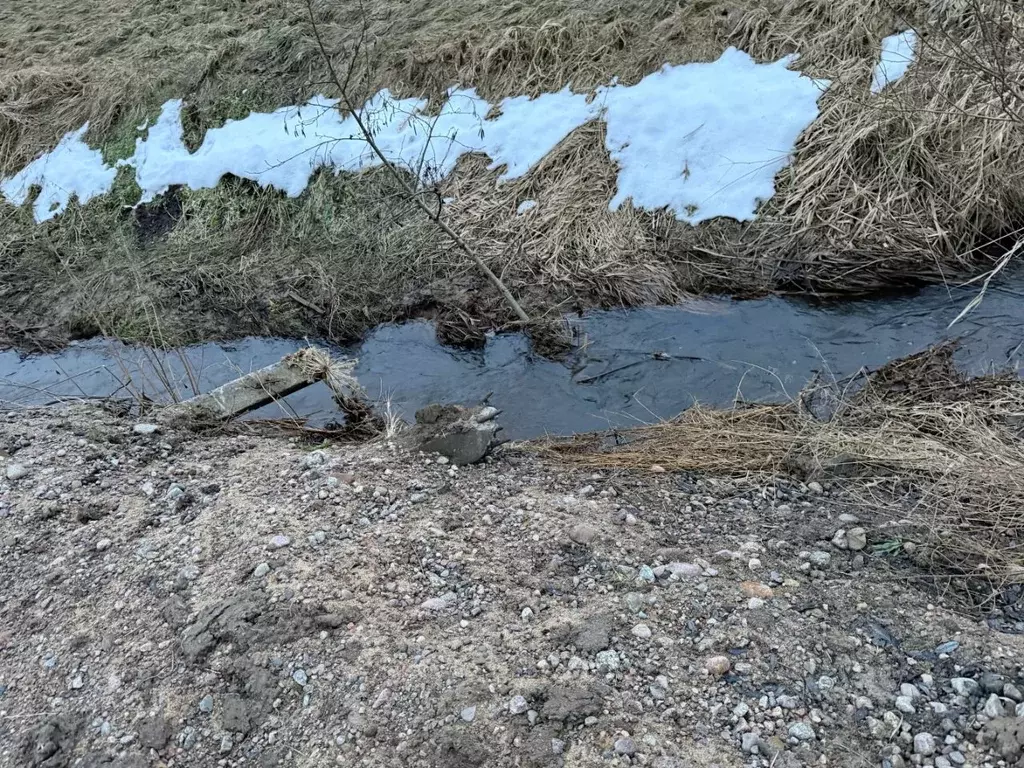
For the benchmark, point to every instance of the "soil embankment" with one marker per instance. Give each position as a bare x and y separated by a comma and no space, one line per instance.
236,599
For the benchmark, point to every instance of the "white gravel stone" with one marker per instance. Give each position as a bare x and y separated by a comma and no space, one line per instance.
924,744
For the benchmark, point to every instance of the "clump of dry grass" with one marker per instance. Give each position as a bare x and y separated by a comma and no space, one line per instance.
952,445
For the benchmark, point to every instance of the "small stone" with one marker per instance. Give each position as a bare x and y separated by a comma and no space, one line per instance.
609,660
910,691
468,714
856,539
839,540
756,589
924,744
300,677
957,757
787,702
226,744
754,564
964,686
77,682
583,533
280,541
145,429
1011,691
749,742
802,731
103,545
635,602
206,704
517,705
905,705
815,487
261,570
16,471
863,702
646,573
625,746
993,707
657,469
754,603
718,665
642,631
848,519
557,746
942,762
531,716
820,558
527,613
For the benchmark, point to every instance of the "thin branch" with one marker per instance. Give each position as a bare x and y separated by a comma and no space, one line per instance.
342,84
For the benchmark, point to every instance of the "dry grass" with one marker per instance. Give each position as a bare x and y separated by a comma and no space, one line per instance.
948,449
919,183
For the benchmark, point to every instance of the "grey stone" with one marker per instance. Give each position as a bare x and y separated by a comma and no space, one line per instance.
583,533
635,602
442,603
146,429
103,545
155,733
1011,691
468,714
646,574
905,705
964,686
517,705
463,435
788,702
990,682
993,707
206,704
261,570
820,558
608,660
625,746
749,742
300,677
226,744
942,762
801,731
280,541
16,471
856,538
557,746
924,744
642,631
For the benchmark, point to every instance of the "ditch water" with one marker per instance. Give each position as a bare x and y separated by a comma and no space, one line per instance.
639,365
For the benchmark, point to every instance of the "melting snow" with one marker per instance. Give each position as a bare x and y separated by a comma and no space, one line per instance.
526,205
702,139
897,55
72,169
706,140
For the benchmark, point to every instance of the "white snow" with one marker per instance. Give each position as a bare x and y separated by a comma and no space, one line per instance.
706,140
72,169
526,205
702,139
898,53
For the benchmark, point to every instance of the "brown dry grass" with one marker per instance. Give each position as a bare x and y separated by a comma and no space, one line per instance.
946,453
919,183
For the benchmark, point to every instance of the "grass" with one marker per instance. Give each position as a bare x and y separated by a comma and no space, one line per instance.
920,183
929,446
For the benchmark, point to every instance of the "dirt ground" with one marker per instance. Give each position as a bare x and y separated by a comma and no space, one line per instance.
173,599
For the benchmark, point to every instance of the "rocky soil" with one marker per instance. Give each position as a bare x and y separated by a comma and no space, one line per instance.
171,599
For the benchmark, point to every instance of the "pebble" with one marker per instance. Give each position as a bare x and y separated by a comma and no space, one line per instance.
300,677
849,519
924,744
261,570
145,429
749,742
815,487
964,686
280,541
905,705
718,665
609,660
787,702
583,533
820,558
206,703
801,731
993,707
756,589
856,538
16,471
646,574
226,744
642,631
942,762
468,714
625,746
517,705
557,746
103,544
1011,691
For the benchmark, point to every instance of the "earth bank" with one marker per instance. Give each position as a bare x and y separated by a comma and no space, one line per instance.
245,599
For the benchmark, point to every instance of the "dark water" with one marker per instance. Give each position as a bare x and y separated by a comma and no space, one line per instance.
717,351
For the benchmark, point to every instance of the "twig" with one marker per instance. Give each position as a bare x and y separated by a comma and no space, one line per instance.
434,216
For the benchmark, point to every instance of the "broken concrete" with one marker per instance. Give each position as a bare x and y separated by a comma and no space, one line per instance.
462,435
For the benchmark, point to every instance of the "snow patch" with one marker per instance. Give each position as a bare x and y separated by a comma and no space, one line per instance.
526,205
707,139
72,169
898,53
703,140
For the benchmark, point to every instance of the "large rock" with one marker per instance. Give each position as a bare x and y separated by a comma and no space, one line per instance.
463,435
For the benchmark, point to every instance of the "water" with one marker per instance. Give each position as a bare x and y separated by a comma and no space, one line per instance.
712,352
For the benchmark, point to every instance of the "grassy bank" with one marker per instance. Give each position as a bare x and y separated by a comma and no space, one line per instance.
918,183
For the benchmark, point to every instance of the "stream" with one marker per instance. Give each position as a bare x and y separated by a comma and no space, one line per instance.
638,366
